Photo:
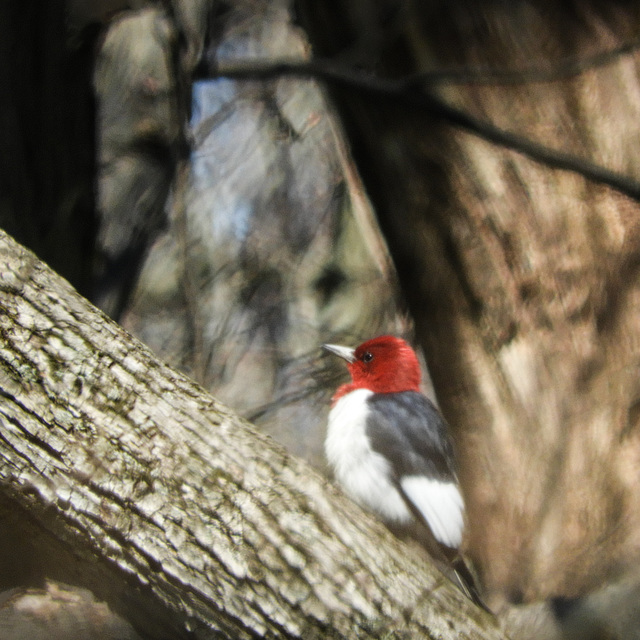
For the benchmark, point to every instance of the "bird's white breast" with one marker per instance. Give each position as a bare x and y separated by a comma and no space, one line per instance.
362,472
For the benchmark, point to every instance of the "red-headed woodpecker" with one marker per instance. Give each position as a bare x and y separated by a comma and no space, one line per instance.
390,448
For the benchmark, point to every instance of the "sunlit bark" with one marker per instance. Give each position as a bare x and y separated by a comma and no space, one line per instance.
132,481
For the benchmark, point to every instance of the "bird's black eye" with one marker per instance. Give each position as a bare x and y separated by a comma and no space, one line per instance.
367,356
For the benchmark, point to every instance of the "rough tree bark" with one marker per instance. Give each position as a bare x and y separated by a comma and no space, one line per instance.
123,476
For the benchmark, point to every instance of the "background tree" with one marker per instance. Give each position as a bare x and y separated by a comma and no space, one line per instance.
521,278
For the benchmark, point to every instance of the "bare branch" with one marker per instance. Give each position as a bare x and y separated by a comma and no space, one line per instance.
403,91
173,510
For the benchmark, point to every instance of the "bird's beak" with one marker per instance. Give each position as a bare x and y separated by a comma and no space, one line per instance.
344,352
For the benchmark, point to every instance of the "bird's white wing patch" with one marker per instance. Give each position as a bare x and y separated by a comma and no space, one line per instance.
441,505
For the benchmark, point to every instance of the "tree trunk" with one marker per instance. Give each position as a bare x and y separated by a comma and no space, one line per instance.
122,476
47,153
522,279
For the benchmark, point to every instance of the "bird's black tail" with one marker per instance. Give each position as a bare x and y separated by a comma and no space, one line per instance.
467,582
463,578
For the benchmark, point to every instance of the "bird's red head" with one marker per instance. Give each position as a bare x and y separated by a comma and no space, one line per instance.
384,365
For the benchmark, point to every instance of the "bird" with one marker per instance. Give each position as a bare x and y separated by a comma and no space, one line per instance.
391,451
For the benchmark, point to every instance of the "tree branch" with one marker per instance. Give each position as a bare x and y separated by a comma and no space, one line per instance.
139,486
404,92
